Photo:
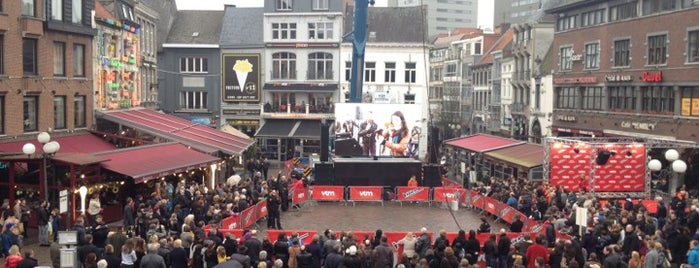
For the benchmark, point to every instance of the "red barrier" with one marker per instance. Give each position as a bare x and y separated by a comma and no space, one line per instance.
491,206
651,205
477,200
304,235
447,194
328,193
522,217
232,222
450,183
299,193
365,193
261,209
247,217
405,193
505,213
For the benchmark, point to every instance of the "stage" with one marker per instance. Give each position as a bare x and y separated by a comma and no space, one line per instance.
366,171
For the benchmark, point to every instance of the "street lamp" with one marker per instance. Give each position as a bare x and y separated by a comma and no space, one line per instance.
49,148
676,165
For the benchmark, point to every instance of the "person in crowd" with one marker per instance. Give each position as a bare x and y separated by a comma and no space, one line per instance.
86,249
13,258
383,254
408,243
274,211
29,260
10,237
178,256
129,214
44,217
113,260
79,227
152,259
316,251
334,258
504,244
536,251
242,257
128,254
94,208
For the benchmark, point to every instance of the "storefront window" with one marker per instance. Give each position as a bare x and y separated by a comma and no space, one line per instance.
592,98
622,98
658,99
690,99
566,97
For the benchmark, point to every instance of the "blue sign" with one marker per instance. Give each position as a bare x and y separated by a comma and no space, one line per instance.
201,120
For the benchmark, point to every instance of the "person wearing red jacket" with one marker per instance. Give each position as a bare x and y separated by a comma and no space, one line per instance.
537,250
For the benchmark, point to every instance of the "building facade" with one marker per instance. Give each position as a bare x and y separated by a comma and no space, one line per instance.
444,16
147,19
35,95
515,11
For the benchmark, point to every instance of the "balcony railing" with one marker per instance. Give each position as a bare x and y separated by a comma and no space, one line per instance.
288,75
320,75
298,108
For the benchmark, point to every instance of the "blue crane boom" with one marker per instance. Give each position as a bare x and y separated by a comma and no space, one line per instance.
358,47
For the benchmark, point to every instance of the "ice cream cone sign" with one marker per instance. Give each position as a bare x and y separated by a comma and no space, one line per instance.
242,68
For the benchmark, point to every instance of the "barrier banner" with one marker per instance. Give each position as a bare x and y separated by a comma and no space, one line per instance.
491,206
232,222
247,217
328,193
522,218
505,212
299,193
304,235
261,209
365,193
392,238
477,200
651,205
535,227
447,194
405,193
450,183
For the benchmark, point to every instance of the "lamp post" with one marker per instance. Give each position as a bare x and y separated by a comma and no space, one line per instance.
83,195
677,165
49,148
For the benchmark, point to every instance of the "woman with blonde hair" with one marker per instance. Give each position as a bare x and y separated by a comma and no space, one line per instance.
635,260
14,258
128,254
408,243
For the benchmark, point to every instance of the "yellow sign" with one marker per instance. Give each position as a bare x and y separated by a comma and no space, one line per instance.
695,106
686,107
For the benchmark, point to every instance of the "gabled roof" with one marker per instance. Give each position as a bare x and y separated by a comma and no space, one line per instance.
447,40
393,24
166,16
196,27
242,27
500,44
102,12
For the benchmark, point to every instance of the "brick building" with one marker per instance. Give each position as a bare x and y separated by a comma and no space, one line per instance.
45,66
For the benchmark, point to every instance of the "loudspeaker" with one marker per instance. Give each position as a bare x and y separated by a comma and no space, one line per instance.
432,176
324,139
347,147
435,141
324,173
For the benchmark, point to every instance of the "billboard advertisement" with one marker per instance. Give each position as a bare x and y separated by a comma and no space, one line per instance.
382,130
241,77
624,170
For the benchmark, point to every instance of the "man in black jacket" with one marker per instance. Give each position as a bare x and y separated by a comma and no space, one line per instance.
86,249
254,246
129,214
490,248
503,248
242,257
334,259
273,211
43,222
29,261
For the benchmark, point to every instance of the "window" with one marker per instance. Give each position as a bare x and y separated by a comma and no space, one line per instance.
658,99
622,53
348,70
622,98
284,4
390,72
57,10
592,98
194,65
320,5
127,12
566,63
193,100
566,98
283,31
690,99
657,49
28,8
623,11
79,60
79,111
370,72
656,6
693,46
283,65
77,11
451,70
2,52
320,66
2,114
29,56
31,110
567,23
592,18
592,56
59,59
59,112
410,72
320,30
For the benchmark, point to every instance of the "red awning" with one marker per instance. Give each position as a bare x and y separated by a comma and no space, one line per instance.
151,161
76,143
525,155
482,143
197,136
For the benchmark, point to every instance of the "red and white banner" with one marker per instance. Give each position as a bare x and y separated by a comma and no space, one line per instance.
477,200
247,217
299,193
261,209
447,194
405,193
365,193
506,212
232,222
491,206
328,193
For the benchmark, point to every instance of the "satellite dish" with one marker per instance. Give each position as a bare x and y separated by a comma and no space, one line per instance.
443,160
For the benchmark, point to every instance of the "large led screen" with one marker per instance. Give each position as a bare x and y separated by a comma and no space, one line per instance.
381,130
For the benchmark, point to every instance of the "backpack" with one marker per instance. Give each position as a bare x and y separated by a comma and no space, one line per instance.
662,261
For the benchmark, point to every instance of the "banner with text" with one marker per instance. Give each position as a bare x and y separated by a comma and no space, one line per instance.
405,193
365,193
328,193
448,194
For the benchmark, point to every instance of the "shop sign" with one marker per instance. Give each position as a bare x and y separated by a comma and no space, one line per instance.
618,78
638,125
575,80
576,57
235,122
652,77
566,118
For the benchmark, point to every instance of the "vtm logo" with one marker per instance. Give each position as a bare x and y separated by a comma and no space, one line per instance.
327,193
366,193
232,225
449,195
301,195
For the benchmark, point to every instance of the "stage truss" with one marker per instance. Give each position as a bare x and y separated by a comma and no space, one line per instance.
598,143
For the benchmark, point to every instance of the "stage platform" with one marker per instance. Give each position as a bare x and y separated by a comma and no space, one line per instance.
368,172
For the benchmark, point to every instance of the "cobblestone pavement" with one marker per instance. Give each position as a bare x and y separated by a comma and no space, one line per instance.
360,217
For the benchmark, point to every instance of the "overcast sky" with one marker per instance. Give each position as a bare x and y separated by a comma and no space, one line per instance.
485,8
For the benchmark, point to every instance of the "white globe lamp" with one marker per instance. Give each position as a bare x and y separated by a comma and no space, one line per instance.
655,165
679,166
672,155
43,137
29,149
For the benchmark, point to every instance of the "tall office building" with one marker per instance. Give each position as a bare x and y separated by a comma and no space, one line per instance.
515,11
443,16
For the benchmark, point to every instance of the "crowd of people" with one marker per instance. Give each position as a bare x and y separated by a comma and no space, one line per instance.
167,229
